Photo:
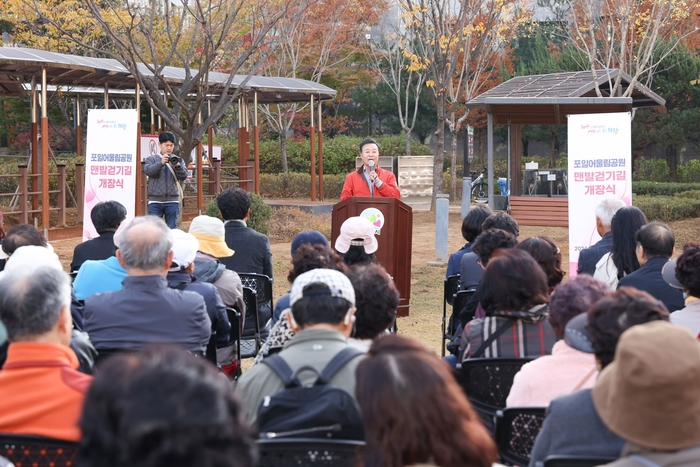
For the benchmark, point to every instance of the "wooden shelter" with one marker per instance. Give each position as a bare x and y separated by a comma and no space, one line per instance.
548,100
24,71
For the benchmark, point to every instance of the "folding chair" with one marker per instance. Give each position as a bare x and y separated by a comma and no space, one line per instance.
450,287
516,430
487,382
250,339
262,286
460,303
303,452
36,451
234,318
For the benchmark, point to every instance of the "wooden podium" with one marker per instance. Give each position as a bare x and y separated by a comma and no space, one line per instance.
395,239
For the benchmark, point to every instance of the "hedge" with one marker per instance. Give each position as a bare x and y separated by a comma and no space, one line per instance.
667,208
259,213
339,153
662,189
299,185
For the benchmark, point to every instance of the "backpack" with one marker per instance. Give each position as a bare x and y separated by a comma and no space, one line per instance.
316,411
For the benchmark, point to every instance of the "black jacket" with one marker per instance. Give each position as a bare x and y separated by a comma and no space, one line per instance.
98,248
253,253
648,279
588,258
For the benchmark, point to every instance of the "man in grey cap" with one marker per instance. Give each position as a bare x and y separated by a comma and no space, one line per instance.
323,315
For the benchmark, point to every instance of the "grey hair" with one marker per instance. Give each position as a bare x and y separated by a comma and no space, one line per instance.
606,209
31,301
146,251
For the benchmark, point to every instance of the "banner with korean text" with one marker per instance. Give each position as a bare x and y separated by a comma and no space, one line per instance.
600,167
110,162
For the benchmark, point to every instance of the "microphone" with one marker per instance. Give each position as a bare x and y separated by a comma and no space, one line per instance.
371,165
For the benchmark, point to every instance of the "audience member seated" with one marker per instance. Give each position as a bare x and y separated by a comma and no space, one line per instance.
573,425
322,317
106,217
252,249
356,242
684,273
179,277
589,257
414,412
548,256
308,257
103,275
622,259
470,271
568,369
146,311
655,243
162,407
307,237
22,235
376,299
471,228
649,396
41,391
210,233
514,295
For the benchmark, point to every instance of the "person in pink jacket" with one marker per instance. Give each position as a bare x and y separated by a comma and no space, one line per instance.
571,366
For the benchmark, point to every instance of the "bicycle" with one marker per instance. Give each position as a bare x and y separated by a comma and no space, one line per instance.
480,188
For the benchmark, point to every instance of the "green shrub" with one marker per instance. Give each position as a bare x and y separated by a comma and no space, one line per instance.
259,213
644,188
667,208
299,186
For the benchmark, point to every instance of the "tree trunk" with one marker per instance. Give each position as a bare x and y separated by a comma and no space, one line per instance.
525,149
672,160
283,150
408,142
553,150
453,168
439,159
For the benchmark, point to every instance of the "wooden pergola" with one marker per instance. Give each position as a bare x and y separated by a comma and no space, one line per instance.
26,72
548,100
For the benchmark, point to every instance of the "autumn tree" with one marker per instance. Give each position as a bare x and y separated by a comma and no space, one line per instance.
320,45
634,36
401,69
199,36
458,43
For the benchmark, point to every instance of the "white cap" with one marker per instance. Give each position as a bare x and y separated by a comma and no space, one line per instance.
338,284
185,248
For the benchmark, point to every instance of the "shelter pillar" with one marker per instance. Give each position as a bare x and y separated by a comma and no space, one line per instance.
256,142
320,154
44,157
312,146
34,147
139,174
490,157
78,130
198,169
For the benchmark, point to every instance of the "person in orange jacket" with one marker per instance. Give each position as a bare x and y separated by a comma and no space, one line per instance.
370,180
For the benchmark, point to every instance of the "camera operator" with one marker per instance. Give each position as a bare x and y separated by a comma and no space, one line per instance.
165,172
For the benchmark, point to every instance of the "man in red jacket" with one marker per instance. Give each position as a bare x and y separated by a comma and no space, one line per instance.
370,180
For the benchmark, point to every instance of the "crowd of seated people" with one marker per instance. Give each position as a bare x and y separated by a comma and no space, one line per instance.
617,373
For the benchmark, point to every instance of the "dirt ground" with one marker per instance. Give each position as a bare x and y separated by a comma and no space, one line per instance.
424,321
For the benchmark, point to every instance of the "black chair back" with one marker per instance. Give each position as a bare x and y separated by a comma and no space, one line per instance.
262,285
450,287
250,338
576,461
36,451
487,382
303,452
463,307
516,430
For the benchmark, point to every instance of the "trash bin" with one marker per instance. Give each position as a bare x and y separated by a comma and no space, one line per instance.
502,185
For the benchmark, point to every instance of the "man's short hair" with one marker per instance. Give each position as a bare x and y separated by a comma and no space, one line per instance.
657,240
321,296
503,221
22,235
145,251
234,203
107,215
368,141
165,137
612,315
606,209
31,301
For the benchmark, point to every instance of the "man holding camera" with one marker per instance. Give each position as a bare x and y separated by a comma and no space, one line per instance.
165,172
